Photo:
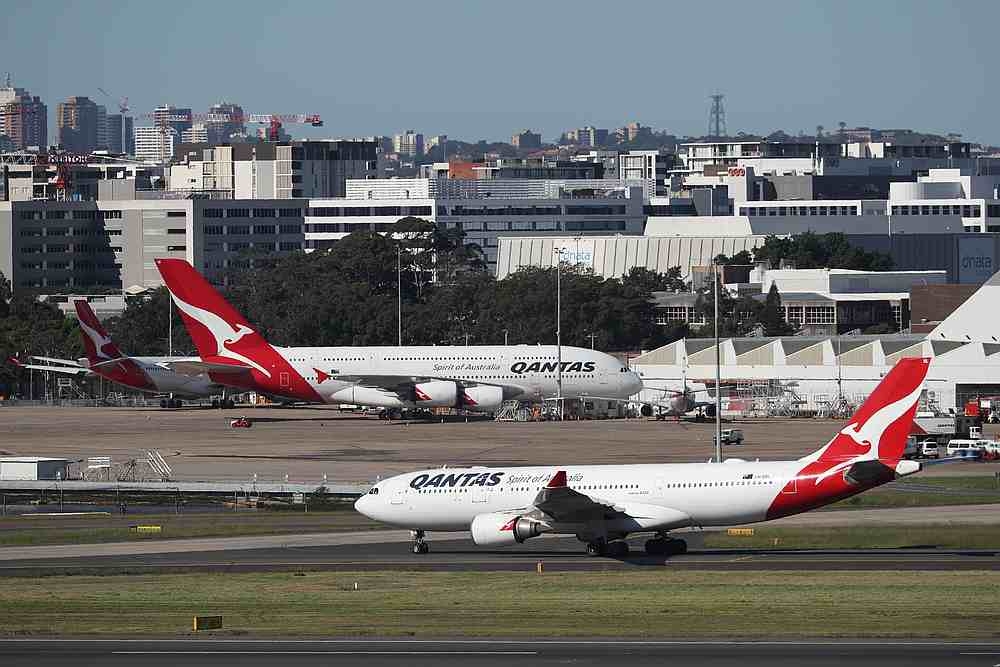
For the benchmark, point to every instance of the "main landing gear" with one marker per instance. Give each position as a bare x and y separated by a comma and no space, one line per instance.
663,545
419,546
612,549
171,403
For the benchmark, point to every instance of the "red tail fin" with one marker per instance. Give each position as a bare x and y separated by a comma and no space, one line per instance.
219,332
96,340
879,428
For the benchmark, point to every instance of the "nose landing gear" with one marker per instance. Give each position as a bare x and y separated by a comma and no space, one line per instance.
419,545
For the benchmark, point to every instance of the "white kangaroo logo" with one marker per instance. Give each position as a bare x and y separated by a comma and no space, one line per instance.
99,340
225,334
870,433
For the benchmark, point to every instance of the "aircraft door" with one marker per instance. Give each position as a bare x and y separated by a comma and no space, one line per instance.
479,494
791,487
397,497
284,381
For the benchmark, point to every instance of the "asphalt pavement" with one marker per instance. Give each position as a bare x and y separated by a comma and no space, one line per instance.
252,653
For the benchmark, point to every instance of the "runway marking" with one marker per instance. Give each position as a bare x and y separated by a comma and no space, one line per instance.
331,652
566,642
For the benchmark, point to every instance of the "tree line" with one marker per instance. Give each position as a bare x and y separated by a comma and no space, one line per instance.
347,295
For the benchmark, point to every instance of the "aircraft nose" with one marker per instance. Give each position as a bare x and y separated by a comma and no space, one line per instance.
363,503
633,383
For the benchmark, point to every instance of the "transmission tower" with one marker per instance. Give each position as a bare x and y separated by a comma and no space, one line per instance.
717,117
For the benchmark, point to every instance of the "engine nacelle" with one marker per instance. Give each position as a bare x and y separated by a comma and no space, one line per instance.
499,528
435,394
482,398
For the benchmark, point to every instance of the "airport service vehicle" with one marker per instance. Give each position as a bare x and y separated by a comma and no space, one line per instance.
731,436
474,378
956,445
170,376
240,422
601,505
929,449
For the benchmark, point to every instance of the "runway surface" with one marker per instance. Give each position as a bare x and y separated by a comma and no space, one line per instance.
390,550
223,653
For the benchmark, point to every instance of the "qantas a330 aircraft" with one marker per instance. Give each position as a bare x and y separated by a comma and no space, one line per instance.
476,378
601,505
156,375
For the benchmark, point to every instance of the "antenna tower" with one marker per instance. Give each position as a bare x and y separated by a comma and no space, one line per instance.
717,117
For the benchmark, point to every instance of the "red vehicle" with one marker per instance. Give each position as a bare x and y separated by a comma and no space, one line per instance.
240,422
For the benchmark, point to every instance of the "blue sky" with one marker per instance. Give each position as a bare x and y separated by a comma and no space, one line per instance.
481,70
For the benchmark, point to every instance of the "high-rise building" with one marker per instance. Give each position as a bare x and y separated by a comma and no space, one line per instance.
77,120
115,134
408,143
102,127
176,118
526,139
23,118
155,144
229,123
587,136
196,134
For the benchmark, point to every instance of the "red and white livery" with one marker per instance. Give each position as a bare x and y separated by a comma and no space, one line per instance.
601,505
476,378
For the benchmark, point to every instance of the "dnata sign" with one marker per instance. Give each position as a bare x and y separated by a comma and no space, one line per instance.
737,171
976,259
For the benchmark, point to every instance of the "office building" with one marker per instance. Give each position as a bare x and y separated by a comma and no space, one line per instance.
408,143
527,140
77,122
155,144
225,123
266,170
116,137
587,136
23,118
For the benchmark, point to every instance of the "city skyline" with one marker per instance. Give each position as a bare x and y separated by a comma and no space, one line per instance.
883,65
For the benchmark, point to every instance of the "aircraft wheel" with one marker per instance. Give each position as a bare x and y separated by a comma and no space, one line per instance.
617,549
229,404
163,403
179,403
215,403
421,548
597,548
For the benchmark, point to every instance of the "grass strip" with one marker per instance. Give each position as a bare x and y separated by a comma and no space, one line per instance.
860,537
648,603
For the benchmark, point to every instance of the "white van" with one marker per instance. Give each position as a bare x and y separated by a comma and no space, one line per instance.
929,449
958,444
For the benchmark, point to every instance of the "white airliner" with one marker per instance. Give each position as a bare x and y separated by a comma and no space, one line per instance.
601,505
476,378
172,376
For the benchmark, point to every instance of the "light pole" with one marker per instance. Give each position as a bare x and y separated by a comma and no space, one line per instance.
399,297
559,389
591,336
718,368
505,332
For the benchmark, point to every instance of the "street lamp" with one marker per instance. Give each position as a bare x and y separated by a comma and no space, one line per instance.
559,389
505,332
399,297
718,369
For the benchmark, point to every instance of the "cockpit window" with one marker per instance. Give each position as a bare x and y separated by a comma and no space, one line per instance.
373,491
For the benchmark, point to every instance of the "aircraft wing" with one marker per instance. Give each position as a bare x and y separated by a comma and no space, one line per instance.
562,505
56,360
195,366
565,505
401,382
68,370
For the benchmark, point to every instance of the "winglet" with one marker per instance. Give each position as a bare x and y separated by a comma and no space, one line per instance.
14,360
558,481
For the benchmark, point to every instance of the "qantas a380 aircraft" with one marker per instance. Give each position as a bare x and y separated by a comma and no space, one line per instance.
601,505
156,375
476,378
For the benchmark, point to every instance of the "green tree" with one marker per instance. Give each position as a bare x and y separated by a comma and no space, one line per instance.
142,328
772,315
813,251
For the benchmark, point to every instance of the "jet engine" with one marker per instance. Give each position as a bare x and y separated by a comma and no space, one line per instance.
483,398
500,528
435,394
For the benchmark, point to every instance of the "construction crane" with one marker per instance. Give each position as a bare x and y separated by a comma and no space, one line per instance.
274,121
123,109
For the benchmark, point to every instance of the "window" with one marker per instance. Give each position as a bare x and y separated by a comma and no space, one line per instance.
237,213
237,246
111,215
264,229
213,230
820,314
55,215
290,212
289,245
31,215
357,210
112,232
177,231
290,229
325,212
263,245
176,214
263,213
239,230
213,212
84,215
56,248
176,248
